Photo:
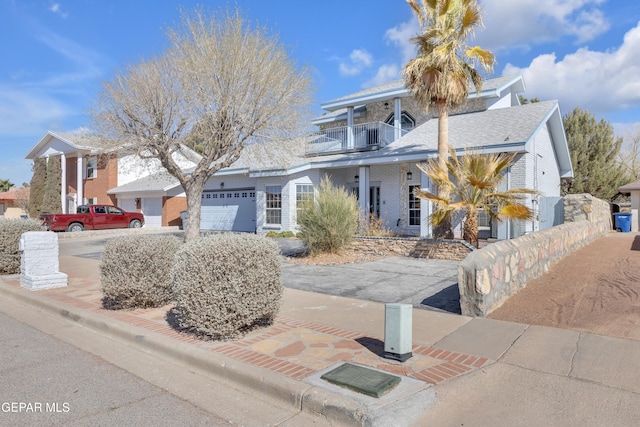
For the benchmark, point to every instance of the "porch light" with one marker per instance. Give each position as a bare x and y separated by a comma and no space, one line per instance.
409,176
357,178
386,105
222,185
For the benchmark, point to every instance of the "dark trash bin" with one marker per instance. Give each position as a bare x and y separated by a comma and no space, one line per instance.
622,222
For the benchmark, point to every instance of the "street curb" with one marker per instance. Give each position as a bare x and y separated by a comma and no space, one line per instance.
302,397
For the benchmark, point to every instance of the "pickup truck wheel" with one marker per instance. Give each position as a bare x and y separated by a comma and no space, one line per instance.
135,224
75,227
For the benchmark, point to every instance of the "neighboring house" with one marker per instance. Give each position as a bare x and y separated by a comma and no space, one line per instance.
14,203
91,176
370,142
633,189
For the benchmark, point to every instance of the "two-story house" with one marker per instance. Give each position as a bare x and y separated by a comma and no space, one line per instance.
370,142
91,176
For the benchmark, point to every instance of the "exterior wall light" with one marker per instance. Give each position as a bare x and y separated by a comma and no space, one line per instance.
357,178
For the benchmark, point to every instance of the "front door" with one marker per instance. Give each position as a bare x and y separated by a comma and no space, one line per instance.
374,200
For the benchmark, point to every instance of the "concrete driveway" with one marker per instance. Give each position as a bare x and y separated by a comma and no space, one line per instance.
424,283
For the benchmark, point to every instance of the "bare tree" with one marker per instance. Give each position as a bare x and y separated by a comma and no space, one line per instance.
630,156
222,85
22,199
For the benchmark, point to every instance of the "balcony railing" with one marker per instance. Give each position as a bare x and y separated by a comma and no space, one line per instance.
360,137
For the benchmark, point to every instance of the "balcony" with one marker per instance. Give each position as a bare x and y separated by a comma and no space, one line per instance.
355,138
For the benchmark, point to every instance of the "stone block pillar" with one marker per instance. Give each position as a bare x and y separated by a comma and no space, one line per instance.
39,266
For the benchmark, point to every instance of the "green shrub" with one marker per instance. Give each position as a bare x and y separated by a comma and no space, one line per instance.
226,284
135,271
10,232
280,234
328,223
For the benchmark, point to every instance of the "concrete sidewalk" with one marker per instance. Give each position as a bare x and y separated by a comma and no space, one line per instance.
467,371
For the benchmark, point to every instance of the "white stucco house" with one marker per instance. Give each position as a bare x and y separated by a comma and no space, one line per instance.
370,142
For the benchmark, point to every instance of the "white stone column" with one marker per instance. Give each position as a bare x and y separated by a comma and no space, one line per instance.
363,191
350,138
39,267
397,118
63,179
426,208
79,172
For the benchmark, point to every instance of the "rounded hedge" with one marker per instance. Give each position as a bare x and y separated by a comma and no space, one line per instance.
135,271
226,284
11,230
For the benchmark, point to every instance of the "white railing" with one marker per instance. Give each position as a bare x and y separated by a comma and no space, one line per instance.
360,137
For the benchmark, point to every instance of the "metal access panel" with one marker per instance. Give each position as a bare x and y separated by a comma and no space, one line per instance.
398,324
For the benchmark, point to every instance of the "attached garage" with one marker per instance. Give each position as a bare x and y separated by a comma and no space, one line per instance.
229,210
152,209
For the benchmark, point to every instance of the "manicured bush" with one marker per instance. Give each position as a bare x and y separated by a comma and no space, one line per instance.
328,223
10,232
226,284
135,271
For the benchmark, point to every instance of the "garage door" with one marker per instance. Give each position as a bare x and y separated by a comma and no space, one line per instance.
152,209
229,210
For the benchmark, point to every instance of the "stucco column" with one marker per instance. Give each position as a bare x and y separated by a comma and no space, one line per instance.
350,142
79,172
397,118
363,191
63,179
425,208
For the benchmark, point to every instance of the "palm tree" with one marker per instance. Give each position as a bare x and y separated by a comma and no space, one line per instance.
5,185
441,73
471,183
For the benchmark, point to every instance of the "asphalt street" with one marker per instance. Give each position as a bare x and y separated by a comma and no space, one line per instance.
46,381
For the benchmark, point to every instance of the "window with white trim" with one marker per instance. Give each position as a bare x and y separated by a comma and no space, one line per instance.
407,122
273,204
91,167
414,206
303,192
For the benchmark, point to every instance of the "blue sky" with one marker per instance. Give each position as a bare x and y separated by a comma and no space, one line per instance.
55,54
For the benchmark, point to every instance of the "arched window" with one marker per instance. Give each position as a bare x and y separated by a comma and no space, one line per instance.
407,122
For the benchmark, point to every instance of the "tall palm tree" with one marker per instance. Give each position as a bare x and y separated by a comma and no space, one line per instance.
5,185
443,70
472,184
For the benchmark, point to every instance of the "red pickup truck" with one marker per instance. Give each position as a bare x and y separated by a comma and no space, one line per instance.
93,217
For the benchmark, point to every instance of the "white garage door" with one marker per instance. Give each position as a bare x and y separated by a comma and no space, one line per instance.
229,210
152,210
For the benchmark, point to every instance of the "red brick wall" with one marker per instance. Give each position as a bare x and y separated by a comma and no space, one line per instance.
171,208
72,174
107,178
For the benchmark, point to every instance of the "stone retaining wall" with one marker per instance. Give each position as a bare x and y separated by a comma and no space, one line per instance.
417,248
487,277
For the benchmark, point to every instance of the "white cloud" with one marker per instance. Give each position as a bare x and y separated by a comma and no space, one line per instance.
600,82
359,59
385,73
57,9
400,36
22,111
524,23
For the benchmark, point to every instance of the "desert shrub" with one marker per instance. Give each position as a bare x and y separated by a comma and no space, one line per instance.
135,271
226,284
10,232
377,227
328,223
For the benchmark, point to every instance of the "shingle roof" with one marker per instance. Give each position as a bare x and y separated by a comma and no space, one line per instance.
482,129
629,187
160,181
398,85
